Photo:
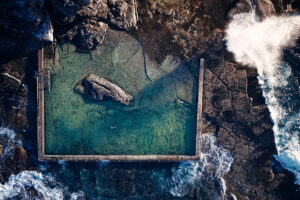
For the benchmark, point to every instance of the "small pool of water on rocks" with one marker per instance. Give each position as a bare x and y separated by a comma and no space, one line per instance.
162,119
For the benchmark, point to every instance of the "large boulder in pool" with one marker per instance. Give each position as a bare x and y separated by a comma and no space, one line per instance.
97,88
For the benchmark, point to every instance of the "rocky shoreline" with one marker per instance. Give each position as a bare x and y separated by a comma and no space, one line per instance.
234,108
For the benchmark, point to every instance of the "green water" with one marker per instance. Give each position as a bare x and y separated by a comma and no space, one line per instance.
161,121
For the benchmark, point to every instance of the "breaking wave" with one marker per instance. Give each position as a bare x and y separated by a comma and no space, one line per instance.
19,184
44,187
7,132
30,184
10,142
261,45
215,161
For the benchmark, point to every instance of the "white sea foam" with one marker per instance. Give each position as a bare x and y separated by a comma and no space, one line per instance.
103,163
7,132
215,161
260,45
12,142
17,184
77,195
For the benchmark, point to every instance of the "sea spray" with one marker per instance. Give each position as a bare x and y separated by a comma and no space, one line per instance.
17,185
7,132
215,161
261,45
44,184
9,136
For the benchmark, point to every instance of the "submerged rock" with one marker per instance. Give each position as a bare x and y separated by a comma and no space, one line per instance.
96,88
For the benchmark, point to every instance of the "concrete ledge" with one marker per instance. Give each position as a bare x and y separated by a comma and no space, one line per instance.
118,158
113,158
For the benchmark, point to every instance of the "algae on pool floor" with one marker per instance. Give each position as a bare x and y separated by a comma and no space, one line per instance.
161,121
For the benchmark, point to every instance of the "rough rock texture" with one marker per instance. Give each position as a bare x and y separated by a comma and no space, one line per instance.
235,110
266,8
180,27
17,107
119,13
13,94
96,88
88,35
86,21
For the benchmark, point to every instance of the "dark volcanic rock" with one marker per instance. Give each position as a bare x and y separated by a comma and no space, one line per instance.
96,88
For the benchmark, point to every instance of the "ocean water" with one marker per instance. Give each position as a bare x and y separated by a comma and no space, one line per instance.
162,119
272,46
107,181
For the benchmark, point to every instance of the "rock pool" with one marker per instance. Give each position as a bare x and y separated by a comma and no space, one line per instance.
162,119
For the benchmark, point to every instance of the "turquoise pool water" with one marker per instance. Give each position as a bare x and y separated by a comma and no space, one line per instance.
161,121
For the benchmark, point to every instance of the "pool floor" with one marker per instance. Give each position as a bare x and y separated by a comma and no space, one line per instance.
161,121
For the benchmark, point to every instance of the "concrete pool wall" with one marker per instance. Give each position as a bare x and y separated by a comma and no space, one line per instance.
44,75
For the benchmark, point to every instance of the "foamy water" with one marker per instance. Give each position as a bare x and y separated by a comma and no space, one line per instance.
17,185
7,132
215,161
44,184
261,44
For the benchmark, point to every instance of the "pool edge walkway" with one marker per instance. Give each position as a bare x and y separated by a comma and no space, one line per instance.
117,158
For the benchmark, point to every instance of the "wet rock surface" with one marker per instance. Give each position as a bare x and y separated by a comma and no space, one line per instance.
17,106
243,125
96,88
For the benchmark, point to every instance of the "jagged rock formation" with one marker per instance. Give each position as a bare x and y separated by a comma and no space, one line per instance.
186,26
119,13
96,88
88,35
13,94
235,110
85,21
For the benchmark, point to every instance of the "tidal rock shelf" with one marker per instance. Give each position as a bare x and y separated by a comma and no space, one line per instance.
96,88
